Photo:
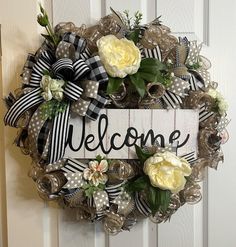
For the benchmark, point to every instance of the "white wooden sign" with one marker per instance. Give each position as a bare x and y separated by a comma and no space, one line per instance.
116,132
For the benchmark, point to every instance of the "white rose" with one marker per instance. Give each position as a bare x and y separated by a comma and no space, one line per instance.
167,171
52,88
223,106
120,57
213,93
219,99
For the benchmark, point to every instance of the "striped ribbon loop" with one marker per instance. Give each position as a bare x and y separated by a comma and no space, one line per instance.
73,165
72,91
142,205
63,68
80,69
152,53
172,100
22,105
43,64
114,190
204,113
58,136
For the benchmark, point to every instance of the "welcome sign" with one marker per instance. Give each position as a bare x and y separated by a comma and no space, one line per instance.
117,131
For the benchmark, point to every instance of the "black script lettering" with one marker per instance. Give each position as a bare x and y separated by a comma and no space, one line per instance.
173,138
89,139
101,134
153,138
70,136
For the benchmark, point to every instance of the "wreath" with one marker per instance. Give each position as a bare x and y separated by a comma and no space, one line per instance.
118,63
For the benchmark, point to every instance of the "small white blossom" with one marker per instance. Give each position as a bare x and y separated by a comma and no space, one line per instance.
52,88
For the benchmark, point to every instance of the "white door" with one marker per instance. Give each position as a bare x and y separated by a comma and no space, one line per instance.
27,221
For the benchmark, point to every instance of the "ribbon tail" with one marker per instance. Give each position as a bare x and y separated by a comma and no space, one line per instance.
59,136
22,105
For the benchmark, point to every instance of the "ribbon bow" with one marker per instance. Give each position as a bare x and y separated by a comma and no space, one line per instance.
73,171
83,75
197,65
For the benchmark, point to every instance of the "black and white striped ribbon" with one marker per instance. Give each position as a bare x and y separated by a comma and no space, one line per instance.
80,69
58,136
172,100
141,205
114,190
193,83
190,157
72,91
73,165
204,114
43,64
63,69
22,105
152,53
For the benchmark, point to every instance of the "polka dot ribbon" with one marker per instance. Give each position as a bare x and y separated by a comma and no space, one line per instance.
194,58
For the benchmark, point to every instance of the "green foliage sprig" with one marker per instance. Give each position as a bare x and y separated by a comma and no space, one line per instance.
150,70
50,109
43,21
89,189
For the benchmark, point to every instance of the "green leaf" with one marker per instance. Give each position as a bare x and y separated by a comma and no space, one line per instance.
101,186
158,199
99,158
153,199
152,70
113,84
137,185
151,65
151,77
134,36
165,199
139,84
142,155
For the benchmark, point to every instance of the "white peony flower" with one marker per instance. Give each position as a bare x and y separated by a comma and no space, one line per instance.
167,171
120,57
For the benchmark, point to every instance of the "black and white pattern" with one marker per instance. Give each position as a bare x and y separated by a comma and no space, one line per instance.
72,91
78,42
80,69
152,53
141,205
23,104
204,114
73,165
98,73
43,64
43,135
172,100
190,157
193,82
114,190
63,69
95,107
58,136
